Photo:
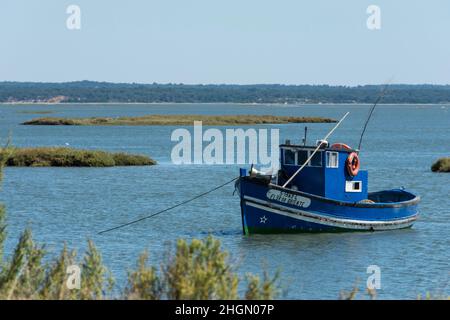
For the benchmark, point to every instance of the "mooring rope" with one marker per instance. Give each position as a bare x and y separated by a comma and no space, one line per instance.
169,208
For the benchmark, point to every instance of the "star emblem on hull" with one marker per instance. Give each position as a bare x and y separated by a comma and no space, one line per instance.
263,219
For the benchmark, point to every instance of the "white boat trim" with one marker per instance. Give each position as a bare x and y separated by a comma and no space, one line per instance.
327,220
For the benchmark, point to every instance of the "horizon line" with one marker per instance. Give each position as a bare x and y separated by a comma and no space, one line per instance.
226,84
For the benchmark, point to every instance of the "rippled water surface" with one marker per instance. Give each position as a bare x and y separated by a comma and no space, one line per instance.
73,204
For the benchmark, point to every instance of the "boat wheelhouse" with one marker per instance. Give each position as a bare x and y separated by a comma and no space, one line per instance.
320,189
325,174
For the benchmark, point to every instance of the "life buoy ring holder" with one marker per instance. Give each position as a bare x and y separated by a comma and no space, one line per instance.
352,164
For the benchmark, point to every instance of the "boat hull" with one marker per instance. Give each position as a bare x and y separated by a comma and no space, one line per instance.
268,208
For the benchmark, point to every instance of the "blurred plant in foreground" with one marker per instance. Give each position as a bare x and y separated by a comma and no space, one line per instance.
198,270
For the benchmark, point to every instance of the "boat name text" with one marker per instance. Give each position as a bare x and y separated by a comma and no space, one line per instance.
288,198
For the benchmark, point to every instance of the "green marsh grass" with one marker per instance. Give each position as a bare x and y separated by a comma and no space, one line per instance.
69,157
35,111
441,165
183,120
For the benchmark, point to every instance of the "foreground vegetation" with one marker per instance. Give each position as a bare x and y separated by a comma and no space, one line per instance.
165,120
441,165
90,91
197,270
69,157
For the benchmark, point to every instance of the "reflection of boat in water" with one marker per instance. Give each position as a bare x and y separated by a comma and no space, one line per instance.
320,189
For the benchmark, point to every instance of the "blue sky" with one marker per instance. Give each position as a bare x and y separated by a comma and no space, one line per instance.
212,41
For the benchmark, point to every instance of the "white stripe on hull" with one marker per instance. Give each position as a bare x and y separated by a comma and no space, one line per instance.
326,220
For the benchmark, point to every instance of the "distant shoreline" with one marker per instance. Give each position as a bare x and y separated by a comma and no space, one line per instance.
275,94
227,103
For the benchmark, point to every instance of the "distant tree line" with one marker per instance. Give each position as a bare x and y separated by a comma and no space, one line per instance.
90,91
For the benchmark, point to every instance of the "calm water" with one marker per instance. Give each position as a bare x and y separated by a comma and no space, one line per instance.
73,204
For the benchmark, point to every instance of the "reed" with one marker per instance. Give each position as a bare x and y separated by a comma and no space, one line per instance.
69,157
182,120
441,165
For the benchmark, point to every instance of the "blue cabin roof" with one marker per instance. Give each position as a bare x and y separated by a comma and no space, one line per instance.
325,174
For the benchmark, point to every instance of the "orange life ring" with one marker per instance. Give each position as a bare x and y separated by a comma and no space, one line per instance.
352,164
340,146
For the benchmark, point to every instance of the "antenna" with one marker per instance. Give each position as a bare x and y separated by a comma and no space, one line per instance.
370,114
304,138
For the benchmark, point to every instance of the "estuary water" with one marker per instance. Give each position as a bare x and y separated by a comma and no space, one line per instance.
70,205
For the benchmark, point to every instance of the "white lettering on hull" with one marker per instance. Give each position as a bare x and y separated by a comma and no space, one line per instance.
288,198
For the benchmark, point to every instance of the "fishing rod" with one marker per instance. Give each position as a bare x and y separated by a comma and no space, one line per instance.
169,208
370,114
315,151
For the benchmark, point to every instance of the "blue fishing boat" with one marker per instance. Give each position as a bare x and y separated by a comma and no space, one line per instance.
320,188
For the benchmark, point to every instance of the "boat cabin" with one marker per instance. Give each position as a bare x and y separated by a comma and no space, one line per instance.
327,174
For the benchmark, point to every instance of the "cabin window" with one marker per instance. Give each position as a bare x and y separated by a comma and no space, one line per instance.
333,159
289,156
316,160
302,156
353,186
